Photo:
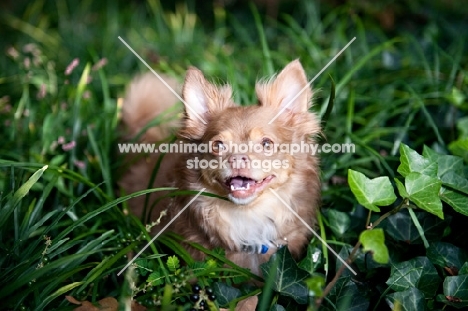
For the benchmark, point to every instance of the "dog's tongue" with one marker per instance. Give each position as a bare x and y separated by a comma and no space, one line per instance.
238,182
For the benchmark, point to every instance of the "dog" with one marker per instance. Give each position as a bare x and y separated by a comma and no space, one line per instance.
245,216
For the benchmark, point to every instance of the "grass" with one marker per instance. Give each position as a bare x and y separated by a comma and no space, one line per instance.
64,228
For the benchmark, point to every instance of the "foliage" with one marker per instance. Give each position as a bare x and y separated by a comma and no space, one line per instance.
400,97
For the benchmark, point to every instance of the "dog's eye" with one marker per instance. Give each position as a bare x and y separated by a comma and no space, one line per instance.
267,143
218,146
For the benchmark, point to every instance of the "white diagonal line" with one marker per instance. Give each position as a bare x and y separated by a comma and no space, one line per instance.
162,80
160,232
313,79
313,231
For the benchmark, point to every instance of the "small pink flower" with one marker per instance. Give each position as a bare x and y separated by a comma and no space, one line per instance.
61,140
88,81
13,52
27,63
26,112
30,48
80,164
7,108
101,63
69,146
72,66
42,92
86,94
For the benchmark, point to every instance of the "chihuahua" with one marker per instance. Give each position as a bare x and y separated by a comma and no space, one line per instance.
262,192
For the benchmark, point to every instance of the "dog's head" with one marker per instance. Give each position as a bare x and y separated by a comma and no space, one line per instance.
248,149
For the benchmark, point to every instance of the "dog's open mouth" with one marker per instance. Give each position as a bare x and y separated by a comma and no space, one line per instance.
243,187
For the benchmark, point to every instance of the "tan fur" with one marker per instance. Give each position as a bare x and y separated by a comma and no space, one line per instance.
232,224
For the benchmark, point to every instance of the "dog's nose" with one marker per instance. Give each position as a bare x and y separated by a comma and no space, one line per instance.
238,158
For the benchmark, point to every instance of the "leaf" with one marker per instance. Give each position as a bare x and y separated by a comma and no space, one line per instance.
411,299
155,279
277,307
400,226
449,164
19,194
248,304
455,199
316,285
312,260
418,272
464,269
73,300
446,255
374,241
424,190
411,162
456,287
225,293
173,263
339,222
459,147
109,304
371,193
401,189
452,301
288,279
345,295
59,292
455,181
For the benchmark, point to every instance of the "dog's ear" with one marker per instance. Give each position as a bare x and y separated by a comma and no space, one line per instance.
289,90
202,98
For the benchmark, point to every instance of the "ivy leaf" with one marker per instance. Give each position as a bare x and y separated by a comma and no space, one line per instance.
401,227
456,288
411,161
371,193
312,260
424,190
374,241
418,272
459,147
345,295
225,293
411,299
455,199
455,181
452,301
288,279
173,263
449,163
339,222
401,189
316,285
446,255
463,269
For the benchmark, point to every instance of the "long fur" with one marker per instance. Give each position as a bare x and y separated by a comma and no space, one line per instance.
237,224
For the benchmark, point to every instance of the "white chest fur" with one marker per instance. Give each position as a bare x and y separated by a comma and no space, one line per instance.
254,225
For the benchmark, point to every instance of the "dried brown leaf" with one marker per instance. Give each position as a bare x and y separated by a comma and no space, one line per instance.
248,304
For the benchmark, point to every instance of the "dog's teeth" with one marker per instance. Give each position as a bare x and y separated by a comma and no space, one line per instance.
248,186
232,188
